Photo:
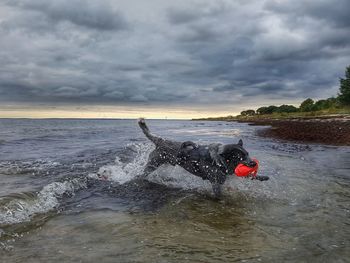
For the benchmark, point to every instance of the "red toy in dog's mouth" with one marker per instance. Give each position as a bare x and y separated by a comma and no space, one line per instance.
245,171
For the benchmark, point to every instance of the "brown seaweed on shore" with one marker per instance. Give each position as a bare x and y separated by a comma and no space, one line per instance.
327,131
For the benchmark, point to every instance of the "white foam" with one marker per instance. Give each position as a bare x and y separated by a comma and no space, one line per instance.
18,210
124,172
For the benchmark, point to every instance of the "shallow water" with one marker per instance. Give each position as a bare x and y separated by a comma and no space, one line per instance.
54,208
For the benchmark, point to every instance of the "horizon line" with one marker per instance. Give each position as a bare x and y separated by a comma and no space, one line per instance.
87,118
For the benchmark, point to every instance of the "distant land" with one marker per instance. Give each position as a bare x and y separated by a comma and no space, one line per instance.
324,121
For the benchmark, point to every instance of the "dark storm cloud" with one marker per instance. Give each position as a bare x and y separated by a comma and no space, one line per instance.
194,12
98,15
177,16
181,53
267,86
335,12
202,33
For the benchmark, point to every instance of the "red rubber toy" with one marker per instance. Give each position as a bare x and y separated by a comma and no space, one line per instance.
244,171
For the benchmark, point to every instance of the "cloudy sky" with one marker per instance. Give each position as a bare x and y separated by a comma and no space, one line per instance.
157,58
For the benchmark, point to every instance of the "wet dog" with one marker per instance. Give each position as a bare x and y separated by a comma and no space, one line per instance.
213,162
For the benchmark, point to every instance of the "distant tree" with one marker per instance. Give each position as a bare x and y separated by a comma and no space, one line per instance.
261,110
267,110
344,90
320,105
287,108
307,105
325,104
248,112
332,102
271,109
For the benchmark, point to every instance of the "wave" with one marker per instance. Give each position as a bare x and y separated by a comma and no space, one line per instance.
20,208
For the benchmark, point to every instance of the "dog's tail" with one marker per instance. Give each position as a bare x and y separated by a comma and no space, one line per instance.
156,140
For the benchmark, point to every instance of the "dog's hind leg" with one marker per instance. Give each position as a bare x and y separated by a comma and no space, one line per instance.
149,169
154,161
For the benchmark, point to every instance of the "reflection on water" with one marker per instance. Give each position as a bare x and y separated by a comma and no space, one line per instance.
54,208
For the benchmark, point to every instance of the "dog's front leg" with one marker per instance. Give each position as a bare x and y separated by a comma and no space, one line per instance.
217,189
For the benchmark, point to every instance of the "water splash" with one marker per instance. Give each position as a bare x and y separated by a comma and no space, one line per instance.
23,208
122,172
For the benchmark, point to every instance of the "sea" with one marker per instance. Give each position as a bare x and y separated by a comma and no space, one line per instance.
73,190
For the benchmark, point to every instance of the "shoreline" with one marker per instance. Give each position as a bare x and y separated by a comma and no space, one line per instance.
331,129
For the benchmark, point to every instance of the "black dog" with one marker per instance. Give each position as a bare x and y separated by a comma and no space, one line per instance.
212,162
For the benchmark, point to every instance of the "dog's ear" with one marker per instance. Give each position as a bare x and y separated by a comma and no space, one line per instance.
240,142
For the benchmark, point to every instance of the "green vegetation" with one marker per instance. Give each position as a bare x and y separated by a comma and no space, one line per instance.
344,95
307,109
248,113
307,105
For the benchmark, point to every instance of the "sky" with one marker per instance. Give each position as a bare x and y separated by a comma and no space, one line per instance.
168,59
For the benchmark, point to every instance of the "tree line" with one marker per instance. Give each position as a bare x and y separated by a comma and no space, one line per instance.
308,105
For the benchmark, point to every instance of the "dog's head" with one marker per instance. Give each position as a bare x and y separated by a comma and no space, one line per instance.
234,154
